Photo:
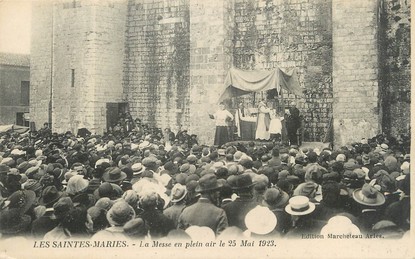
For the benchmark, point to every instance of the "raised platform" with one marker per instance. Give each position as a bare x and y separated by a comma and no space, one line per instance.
319,145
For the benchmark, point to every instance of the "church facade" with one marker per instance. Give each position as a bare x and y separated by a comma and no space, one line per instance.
165,61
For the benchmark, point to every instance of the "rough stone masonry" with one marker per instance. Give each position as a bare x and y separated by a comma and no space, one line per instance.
168,60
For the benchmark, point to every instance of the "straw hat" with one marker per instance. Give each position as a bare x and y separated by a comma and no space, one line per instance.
260,220
300,205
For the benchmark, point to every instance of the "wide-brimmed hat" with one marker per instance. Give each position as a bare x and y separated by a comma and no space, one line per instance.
104,203
120,213
184,168
349,166
13,222
22,200
144,144
260,220
243,181
171,167
101,161
136,226
36,162
50,195
178,192
191,159
114,174
339,225
8,161
107,189
237,156
207,183
149,162
386,181
77,184
200,233
384,146
341,158
67,175
181,178
307,189
62,207
131,197
369,196
32,185
275,198
260,179
299,205
17,152
137,168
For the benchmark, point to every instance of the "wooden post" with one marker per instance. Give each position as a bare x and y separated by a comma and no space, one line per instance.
283,123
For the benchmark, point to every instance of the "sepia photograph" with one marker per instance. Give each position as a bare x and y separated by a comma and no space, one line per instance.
205,129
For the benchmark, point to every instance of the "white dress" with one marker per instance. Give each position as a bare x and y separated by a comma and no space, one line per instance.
275,126
261,130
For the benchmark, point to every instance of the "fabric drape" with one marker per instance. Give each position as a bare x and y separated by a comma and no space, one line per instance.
240,82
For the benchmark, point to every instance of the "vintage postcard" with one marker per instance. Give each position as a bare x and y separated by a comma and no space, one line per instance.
206,129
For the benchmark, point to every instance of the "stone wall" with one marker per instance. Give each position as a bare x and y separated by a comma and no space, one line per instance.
396,69
40,62
156,66
356,104
87,62
211,34
168,60
290,34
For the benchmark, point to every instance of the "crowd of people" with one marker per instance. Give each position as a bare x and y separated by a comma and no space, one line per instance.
145,183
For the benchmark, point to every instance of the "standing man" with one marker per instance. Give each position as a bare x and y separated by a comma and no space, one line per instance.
45,131
222,117
263,121
245,202
293,123
205,212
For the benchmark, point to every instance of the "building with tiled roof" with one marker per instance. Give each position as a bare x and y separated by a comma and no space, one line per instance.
12,59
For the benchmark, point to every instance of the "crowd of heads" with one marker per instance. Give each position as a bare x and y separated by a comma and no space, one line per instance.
131,184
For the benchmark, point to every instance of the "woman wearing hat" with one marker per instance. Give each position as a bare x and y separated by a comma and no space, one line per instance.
119,214
13,223
96,220
23,200
77,190
71,221
158,223
46,223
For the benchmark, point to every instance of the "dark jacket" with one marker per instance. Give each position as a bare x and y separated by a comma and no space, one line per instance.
43,225
237,210
204,213
399,213
284,222
174,212
158,223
